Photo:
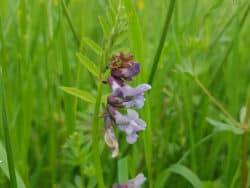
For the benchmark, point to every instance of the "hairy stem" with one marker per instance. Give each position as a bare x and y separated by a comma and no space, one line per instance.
215,101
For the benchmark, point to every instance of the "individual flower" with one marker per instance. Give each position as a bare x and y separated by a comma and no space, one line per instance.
110,138
126,73
126,96
133,183
130,123
123,67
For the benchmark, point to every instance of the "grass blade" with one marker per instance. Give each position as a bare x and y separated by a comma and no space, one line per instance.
5,169
134,31
66,13
11,163
162,41
218,69
84,95
123,170
187,174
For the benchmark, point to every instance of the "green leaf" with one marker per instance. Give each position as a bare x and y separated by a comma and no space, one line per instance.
5,169
104,26
94,46
219,126
123,170
187,174
84,95
88,64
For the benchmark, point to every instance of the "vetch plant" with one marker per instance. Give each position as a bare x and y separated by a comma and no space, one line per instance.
123,69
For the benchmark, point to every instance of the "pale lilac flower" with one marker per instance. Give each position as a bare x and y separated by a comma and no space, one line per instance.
110,138
130,124
126,96
133,183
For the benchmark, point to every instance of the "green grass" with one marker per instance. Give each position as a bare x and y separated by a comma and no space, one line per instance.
52,63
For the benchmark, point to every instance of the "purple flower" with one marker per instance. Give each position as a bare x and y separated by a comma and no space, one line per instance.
123,67
110,138
126,73
126,96
130,124
133,183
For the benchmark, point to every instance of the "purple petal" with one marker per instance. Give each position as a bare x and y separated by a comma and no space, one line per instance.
138,181
121,119
126,129
115,83
133,183
141,124
126,73
131,139
131,71
130,124
128,91
132,114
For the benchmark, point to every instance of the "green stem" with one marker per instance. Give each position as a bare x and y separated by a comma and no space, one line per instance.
162,41
95,137
214,100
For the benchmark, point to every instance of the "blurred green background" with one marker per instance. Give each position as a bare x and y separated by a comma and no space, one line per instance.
50,130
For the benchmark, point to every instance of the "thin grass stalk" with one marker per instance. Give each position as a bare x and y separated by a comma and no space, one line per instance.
215,101
244,168
219,67
66,13
169,14
11,163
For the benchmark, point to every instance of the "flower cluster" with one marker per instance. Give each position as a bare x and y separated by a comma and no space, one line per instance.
123,69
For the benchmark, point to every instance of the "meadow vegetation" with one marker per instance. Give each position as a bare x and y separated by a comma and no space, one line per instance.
194,54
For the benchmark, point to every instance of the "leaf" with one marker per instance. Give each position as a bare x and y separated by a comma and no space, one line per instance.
88,64
104,26
123,170
187,174
4,167
84,95
219,126
94,46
